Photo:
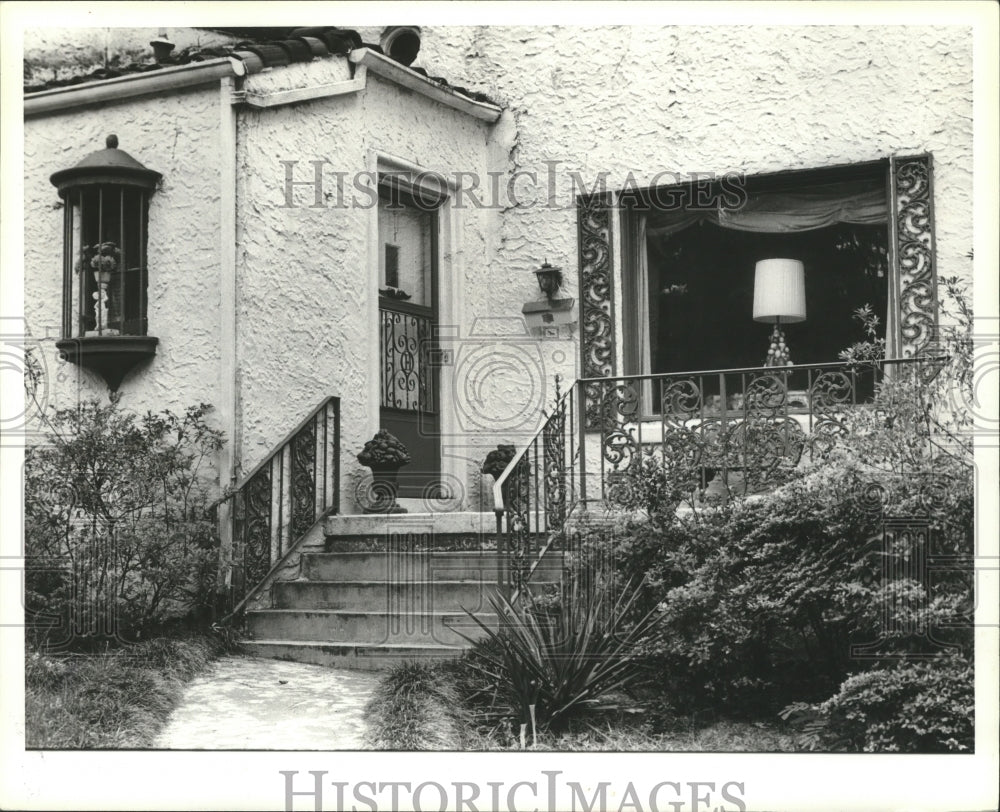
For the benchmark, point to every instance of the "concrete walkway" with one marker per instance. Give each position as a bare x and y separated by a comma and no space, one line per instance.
244,703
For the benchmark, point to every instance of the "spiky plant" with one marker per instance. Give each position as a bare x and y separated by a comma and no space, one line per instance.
555,665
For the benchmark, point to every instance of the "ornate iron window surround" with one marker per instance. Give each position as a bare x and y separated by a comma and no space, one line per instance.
104,325
911,272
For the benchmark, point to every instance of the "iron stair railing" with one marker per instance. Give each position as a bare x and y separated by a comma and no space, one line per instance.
280,500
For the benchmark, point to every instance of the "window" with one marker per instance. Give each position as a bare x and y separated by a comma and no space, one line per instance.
690,253
108,224
105,279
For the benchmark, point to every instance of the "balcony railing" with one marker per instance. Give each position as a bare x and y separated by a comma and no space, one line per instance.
284,496
741,429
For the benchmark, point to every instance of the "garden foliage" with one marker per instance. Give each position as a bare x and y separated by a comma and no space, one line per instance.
120,530
804,597
544,664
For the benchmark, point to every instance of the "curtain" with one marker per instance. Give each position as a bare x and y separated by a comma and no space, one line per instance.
783,212
855,202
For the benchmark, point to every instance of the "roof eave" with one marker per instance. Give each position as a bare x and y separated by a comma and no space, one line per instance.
393,71
138,84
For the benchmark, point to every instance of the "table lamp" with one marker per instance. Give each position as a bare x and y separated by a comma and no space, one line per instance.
779,297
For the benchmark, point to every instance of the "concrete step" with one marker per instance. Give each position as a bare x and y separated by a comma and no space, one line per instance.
365,656
385,596
374,566
343,626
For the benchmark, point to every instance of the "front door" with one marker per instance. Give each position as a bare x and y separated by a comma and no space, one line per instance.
408,318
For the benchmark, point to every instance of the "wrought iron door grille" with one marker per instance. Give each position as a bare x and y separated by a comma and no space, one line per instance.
407,353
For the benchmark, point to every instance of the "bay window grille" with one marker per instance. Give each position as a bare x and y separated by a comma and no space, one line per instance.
105,272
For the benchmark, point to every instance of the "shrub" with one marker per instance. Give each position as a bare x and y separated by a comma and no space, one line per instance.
120,534
913,707
762,602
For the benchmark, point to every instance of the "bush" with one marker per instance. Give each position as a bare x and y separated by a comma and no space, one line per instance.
914,707
120,533
762,602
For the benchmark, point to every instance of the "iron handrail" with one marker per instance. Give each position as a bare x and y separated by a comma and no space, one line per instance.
736,370
283,497
280,448
502,479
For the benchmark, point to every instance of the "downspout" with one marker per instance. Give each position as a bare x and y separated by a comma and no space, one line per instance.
228,361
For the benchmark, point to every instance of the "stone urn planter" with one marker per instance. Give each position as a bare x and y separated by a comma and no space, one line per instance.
385,455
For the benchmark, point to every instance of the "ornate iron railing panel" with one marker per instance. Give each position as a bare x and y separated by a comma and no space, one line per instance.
406,370
913,251
596,277
285,495
741,431
537,492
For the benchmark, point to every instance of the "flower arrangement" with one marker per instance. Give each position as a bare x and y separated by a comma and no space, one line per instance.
101,258
384,451
496,462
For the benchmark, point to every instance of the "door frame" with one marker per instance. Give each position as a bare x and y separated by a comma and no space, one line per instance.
449,307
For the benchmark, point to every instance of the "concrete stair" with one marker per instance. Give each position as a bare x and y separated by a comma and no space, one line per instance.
385,590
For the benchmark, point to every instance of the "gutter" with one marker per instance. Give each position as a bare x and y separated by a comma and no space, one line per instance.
141,84
303,94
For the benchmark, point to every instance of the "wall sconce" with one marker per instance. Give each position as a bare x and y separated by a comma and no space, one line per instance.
550,279
779,295
547,316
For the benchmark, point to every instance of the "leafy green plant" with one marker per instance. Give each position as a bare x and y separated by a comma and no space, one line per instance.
872,348
658,482
912,707
761,603
120,534
544,665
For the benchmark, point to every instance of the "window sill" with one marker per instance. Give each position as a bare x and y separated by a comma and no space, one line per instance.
109,356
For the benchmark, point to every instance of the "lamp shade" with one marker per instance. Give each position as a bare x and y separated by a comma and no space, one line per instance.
779,291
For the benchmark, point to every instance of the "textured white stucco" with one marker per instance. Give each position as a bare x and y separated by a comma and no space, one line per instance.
643,99
624,101
177,135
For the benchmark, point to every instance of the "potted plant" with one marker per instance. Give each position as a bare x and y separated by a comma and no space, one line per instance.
496,463
385,455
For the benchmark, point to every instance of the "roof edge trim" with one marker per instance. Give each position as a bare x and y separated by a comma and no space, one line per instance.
139,84
393,71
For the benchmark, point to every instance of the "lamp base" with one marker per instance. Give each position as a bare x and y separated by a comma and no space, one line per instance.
777,353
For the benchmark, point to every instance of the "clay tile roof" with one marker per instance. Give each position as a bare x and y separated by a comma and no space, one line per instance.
273,46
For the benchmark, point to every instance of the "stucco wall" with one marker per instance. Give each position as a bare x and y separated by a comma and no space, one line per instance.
177,135
307,280
643,99
625,101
